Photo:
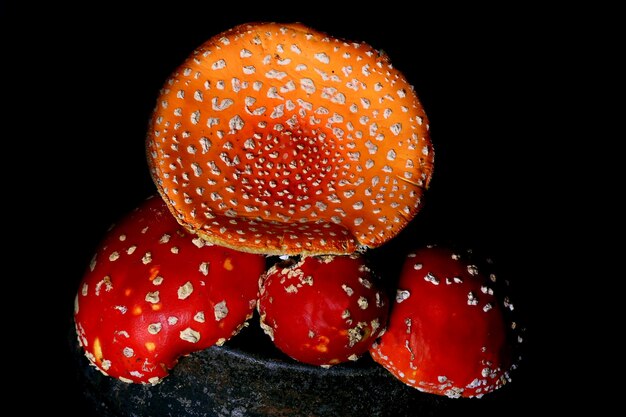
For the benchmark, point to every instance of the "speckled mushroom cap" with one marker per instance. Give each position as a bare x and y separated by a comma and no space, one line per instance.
278,139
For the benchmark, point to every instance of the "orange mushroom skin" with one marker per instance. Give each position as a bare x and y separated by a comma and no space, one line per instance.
154,292
279,139
448,332
322,310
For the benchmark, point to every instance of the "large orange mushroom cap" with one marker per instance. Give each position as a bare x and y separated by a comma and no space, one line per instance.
278,139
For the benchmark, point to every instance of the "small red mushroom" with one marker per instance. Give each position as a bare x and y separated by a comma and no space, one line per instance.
322,310
449,331
154,292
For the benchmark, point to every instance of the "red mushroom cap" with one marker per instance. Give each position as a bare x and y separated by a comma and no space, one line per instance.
448,332
278,139
322,310
154,292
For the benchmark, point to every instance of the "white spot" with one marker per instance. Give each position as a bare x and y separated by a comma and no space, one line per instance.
431,278
197,95
128,352
295,49
402,295
373,129
371,147
354,156
237,85
396,128
290,86
199,317
322,57
106,281
206,144
212,121
220,106
185,290
219,64
272,92
391,155
236,123
362,301
190,335
278,111
152,297
472,300
204,268
244,53
195,117
273,74
121,309
307,85
220,310
487,307
147,258
114,256
347,289
155,328
199,242
197,171
472,269
171,320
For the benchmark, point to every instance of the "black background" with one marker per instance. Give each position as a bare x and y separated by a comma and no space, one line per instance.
93,78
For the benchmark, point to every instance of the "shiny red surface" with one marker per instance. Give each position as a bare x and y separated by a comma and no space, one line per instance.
440,338
323,323
134,310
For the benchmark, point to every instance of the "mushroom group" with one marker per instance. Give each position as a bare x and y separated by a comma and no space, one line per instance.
277,139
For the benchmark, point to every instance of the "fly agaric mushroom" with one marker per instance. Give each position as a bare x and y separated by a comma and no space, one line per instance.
279,139
154,292
322,310
449,331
